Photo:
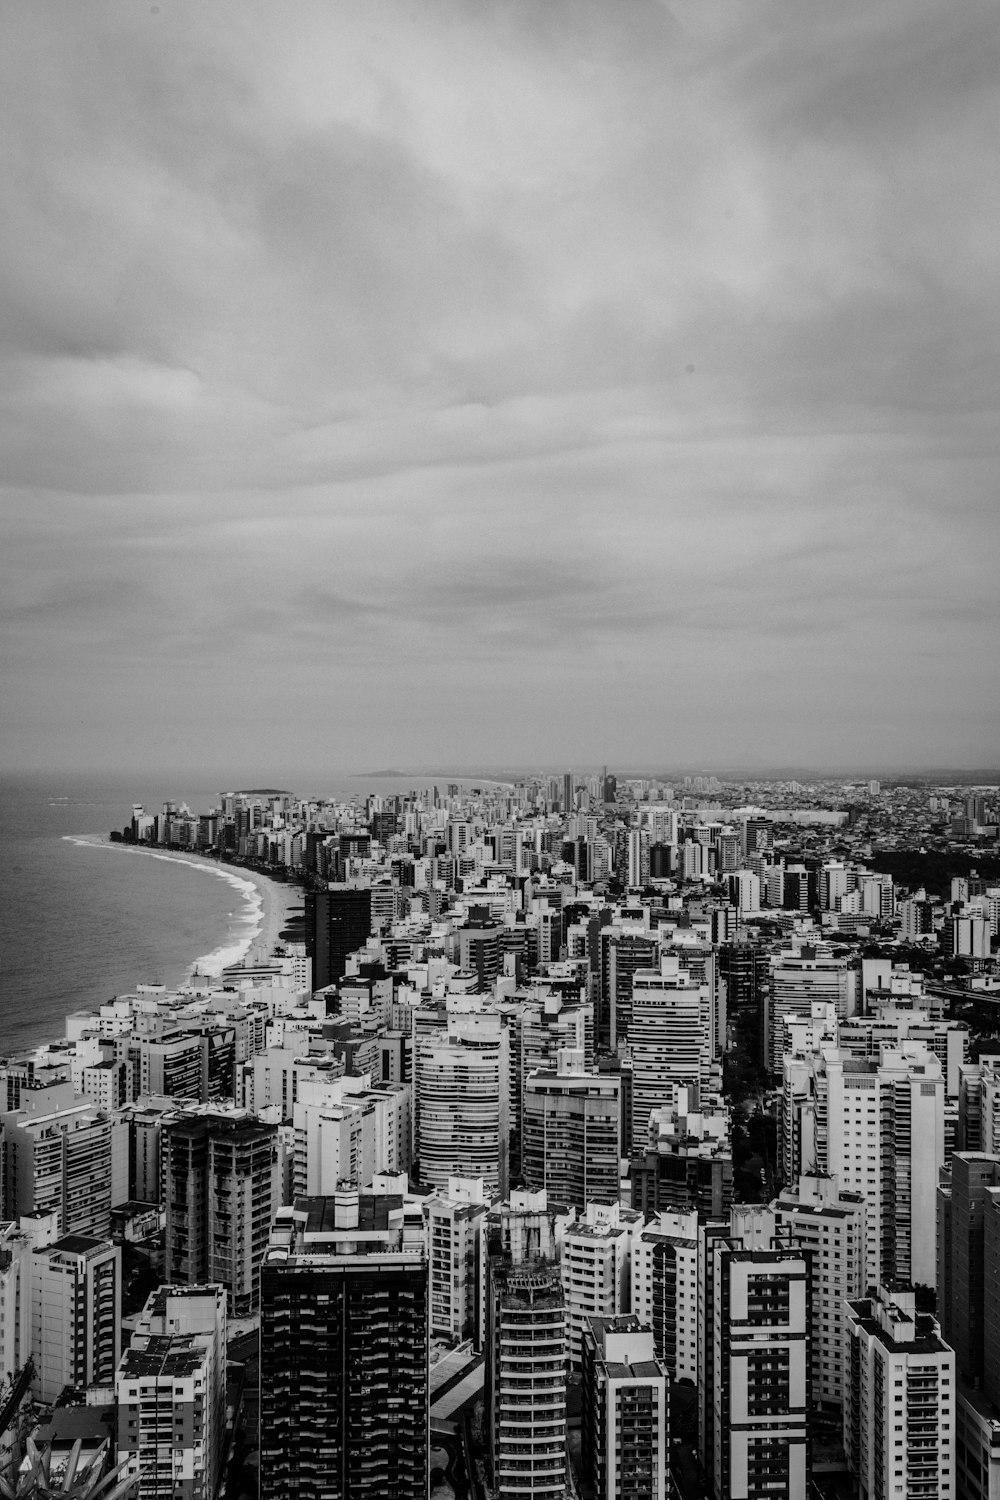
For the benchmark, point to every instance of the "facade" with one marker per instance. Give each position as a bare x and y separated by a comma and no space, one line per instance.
831,1225
525,1376
338,922
624,1427
668,1039
571,1135
462,1108
454,1226
596,1268
76,1305
170,1388
899,1411
757,1365
58,1158
665,1290
222,1185
343,1353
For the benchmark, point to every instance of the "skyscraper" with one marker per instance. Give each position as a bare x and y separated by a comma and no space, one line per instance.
624,1427
343,1353
571,1134
525,1376
338,921
462,1104
221,1186
757,1365
899,1411
667,1039
76,1294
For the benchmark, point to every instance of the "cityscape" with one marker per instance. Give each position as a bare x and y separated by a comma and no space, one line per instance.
500,750
580,1135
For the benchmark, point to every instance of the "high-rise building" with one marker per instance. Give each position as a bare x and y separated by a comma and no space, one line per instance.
462,1103
800,976
549,1020
571,1132
222,1185
757,1366
624,1427
343,1353
58,1158
686,1162
76,1304
878,1127
966,1213
831,1224
623,951
455,1221
187,1064
668,1039
525,1374
170,1389
885,1124
479,948
596,1268
899,1408
665,1290
338,922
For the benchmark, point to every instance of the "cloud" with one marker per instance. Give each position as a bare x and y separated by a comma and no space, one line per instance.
599,372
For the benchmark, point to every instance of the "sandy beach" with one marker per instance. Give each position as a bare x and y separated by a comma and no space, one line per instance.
269,901
278,899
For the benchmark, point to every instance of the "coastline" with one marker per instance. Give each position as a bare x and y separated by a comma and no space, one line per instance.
267,903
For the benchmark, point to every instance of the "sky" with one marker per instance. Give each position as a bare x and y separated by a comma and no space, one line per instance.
470,384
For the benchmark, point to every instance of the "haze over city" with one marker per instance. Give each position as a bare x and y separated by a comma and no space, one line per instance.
463,385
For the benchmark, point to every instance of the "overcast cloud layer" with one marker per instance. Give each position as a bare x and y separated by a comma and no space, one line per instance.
490,382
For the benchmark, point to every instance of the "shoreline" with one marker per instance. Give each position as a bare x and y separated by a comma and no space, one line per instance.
267,903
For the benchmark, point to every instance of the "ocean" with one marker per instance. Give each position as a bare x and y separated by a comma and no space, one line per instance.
81,922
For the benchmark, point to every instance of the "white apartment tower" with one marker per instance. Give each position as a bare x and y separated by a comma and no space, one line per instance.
899,1408
830,1224
667,1038
624,1426
596,1268
76,1304
665,1290
462,1103
756,1366
454,1225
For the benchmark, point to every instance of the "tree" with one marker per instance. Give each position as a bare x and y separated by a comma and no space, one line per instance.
92,1484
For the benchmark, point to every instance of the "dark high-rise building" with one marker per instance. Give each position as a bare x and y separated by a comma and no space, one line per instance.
975,1176
738,966
338,921
344,1353
479,948
672,1181
221,1187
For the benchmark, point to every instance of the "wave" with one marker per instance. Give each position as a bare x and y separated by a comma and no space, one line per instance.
252,917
